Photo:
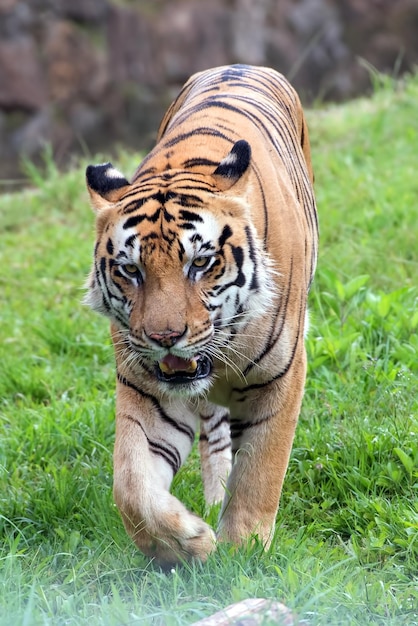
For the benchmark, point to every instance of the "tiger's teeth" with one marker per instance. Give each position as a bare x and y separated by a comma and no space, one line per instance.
193,366
186,366
164,368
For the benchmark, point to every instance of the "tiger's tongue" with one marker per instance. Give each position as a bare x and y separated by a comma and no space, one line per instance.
173,363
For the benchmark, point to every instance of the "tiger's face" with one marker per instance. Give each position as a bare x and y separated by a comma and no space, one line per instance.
178,269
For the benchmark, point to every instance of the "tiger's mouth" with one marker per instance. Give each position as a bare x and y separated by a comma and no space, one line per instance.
176,370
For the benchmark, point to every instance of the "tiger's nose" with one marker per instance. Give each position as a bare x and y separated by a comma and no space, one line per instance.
166,339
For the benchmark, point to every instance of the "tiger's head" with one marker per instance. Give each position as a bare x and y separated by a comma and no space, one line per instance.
178,266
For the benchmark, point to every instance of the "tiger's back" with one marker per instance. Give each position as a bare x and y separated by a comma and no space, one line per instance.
203,263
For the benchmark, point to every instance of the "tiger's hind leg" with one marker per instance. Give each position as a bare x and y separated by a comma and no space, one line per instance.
215,451
152,442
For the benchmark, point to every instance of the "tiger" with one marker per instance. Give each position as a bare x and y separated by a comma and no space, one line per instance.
203,263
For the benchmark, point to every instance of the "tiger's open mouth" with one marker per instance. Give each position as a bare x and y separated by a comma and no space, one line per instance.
173,369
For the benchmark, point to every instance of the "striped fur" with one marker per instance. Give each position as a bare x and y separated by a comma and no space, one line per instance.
203,263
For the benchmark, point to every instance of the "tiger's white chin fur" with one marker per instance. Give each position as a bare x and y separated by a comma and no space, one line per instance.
193,389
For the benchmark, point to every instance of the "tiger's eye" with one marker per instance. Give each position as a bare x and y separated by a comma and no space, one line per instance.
200,262
131,269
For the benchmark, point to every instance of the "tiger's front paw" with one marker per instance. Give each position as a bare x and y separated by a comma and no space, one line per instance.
195,540
174,536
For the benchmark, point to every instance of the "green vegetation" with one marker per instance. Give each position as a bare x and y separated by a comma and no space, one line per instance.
346,546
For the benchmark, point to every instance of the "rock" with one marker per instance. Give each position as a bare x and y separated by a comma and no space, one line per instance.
102,72
22,83
193,33
133,48
76,69
249,29
251,612
16,18
83,10
31,138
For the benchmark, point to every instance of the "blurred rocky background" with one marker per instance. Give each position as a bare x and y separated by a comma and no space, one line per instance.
89,75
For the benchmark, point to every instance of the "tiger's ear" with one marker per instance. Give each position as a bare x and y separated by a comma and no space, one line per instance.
233,166
105,185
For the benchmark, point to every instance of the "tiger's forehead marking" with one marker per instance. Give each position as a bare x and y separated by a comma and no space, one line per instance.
171,229
168,214
179,185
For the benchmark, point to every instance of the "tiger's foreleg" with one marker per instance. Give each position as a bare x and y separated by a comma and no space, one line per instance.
215,451
150,447
262,438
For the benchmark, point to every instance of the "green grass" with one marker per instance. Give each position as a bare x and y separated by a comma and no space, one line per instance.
346,545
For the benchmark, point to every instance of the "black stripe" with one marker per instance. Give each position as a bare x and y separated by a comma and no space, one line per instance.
171,456
190,216
107,295
202,130
215,441
133,221
221,420
179,426
237,426
240,280
130,241
226,234
251,251
135,204
221,448
198,162
109,246
212,443
168,455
